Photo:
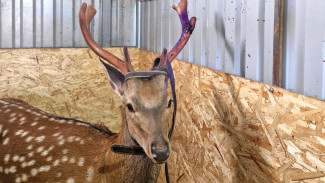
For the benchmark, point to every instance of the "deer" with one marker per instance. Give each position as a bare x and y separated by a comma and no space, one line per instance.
36,146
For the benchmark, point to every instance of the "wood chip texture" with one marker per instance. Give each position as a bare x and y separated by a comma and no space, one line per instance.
228,129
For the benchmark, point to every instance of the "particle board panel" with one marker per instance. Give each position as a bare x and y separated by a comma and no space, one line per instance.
230,129
66,82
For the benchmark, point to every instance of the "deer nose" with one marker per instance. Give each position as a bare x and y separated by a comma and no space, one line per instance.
160,152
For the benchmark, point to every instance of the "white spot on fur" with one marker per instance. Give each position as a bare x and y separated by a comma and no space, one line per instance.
29,147
13,115
19,132
40,138
31,154
41,128
12,169
81,161
56,162
4,133
44,153
33,172
45,168
40,149
70,139
1,169
22,158
61,142
59,174
24,177
24,134
6,158
15,158
82,141
1,126
64,158
50,158
34,124
72,160
70,180
90,174
65,151
18,180
24,164
56,134
23,119
29,138
6,141
11,120
8,110
51,148
31,163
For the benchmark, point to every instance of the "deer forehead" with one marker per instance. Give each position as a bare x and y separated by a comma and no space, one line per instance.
147,93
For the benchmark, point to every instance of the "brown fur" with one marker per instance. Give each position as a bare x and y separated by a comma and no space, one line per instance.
38,147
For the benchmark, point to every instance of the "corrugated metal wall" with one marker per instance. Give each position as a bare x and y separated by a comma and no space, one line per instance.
304,48
54,23
236,36
232,36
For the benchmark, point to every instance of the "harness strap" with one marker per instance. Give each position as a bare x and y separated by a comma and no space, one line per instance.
172,85
128,150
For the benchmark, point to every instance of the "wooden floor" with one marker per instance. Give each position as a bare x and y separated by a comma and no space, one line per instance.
228,129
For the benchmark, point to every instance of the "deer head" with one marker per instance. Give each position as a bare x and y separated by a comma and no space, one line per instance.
144,94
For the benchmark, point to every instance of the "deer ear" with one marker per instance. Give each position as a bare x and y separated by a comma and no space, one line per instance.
115,77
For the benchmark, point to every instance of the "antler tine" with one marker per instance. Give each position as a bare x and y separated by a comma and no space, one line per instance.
86,14
187,29
128,64
163,58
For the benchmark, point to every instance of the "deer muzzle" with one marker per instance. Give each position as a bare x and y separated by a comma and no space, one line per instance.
160,152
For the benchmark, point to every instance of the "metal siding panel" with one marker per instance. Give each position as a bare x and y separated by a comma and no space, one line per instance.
27,24
268,42
6,28
67,29
106,23
199,32
48,29
313,46
252,40
211,33
220,36
229,21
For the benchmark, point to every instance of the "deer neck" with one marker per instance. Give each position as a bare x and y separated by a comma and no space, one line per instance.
132,168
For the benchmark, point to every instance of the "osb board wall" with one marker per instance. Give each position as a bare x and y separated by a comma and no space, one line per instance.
65,82
230,129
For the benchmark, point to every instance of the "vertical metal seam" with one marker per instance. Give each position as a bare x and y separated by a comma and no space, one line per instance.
61,24
21,31
13,24
34,23
137,36
42,23
54,23
73,24
92,22
100,23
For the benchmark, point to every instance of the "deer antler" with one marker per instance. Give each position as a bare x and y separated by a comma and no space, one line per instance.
86,14
187,29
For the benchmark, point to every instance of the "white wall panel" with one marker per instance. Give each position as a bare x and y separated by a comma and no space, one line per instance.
230,36
303,47
55,23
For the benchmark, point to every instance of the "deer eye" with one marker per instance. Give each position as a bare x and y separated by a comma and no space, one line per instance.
130,107
170,103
